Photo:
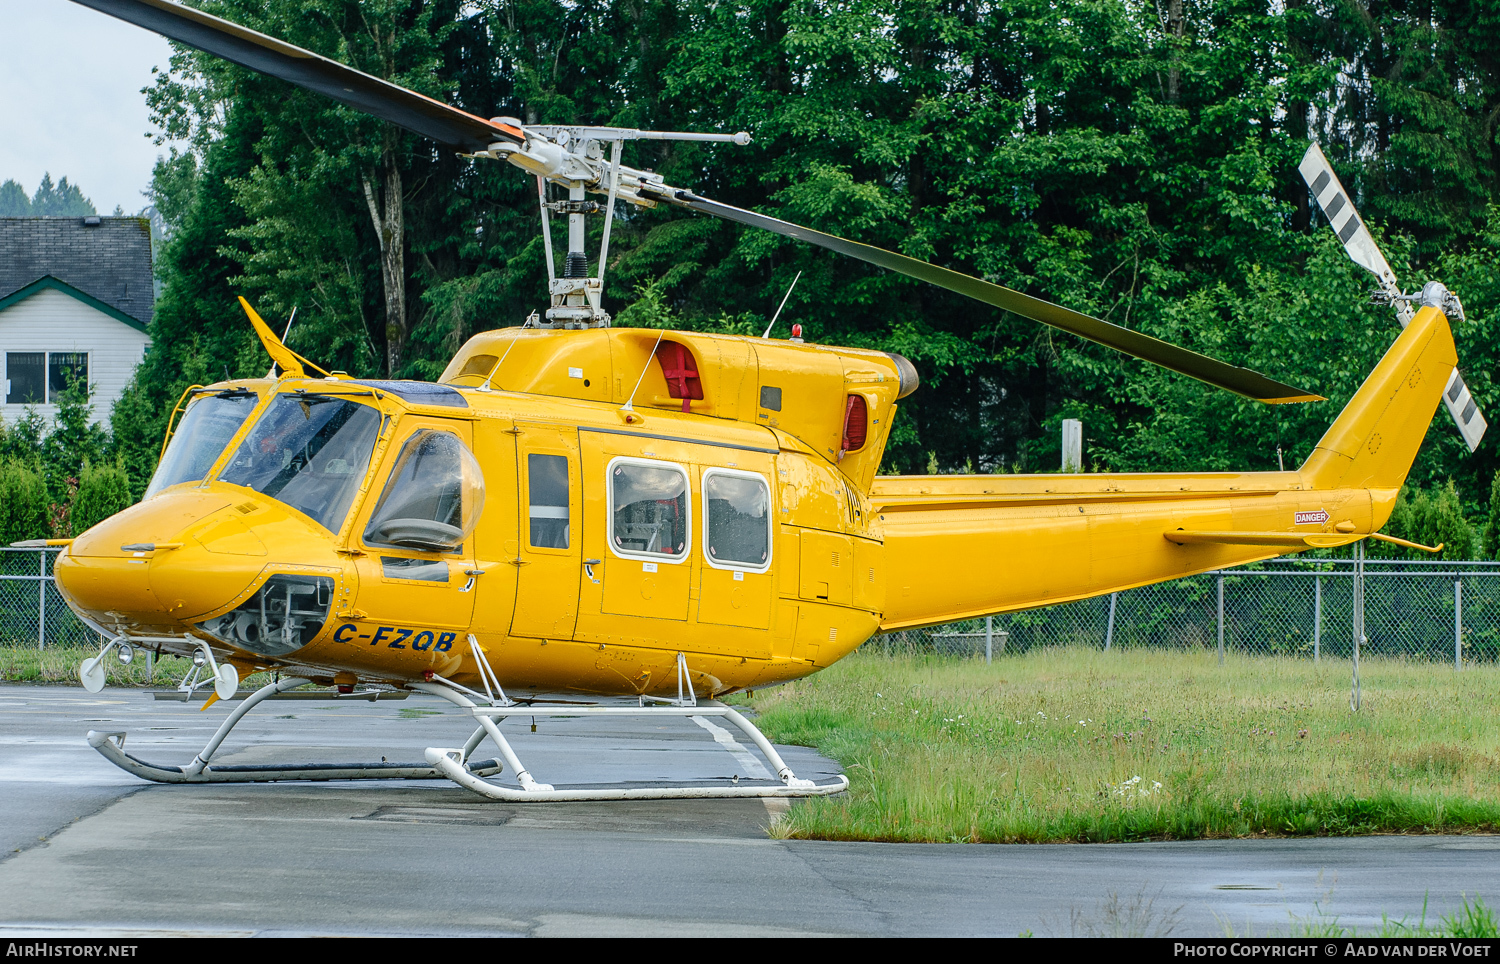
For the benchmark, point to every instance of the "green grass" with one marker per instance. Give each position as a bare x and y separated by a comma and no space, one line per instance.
1079,745
59,664
1471,920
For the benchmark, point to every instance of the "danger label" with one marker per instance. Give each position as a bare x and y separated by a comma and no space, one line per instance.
1316,517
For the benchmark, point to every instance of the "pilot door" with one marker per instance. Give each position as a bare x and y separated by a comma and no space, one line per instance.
550,559
415,536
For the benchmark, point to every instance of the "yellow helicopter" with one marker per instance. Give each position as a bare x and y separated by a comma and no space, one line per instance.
657,516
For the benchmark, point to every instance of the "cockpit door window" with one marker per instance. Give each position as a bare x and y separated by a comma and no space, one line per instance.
434,498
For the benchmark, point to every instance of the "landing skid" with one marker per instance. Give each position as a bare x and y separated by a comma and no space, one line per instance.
452,761
455,763
112,746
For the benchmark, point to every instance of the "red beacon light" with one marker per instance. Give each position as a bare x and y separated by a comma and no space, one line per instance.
797,334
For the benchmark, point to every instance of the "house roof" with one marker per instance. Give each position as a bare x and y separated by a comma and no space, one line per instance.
109,261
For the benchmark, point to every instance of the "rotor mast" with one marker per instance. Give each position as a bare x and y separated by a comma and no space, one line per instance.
573,158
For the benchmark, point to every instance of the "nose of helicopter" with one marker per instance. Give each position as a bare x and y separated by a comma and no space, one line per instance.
160,564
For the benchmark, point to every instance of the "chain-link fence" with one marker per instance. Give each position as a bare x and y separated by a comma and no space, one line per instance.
1437,611
31,611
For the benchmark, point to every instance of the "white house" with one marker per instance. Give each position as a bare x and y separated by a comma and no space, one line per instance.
76,297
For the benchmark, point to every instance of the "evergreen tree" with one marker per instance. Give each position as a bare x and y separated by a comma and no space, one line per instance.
23,502
1134,161
102,491
1492,525
13,201
73,441
62,200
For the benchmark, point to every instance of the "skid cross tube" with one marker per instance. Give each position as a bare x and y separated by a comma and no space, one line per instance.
452,761
112,746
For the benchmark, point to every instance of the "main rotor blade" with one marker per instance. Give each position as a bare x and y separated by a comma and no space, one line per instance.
267,55
1329,192
1242,381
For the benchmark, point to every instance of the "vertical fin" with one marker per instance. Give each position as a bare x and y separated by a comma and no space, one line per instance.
1375,438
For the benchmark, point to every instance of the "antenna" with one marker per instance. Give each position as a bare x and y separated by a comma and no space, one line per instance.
784,297
629,405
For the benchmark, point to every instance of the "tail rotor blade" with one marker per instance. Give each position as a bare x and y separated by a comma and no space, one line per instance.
1347,223
1465,411
1363,251
1242,381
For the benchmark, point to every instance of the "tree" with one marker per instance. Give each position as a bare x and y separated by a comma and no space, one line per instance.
13,201
1132,161
1430,518
1491,543
102,491
23,502
62,200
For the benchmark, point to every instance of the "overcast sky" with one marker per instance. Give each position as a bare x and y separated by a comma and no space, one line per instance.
70,100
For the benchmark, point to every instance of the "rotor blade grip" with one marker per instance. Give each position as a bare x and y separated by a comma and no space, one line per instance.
353,88
1239,380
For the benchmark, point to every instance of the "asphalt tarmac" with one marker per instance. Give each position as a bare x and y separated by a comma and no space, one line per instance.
89,849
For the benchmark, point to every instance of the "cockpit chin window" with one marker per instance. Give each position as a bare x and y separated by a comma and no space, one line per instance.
283,616
309,452
207,426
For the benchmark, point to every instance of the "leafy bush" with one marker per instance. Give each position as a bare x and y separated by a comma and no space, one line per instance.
23,502
102,492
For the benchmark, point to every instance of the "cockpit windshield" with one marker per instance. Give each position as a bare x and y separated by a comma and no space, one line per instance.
309,452
207,426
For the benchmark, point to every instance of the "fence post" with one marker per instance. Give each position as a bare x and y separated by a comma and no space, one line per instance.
1109,627
989,639
1458,623
1221,618
1317,618
41,602
1359,620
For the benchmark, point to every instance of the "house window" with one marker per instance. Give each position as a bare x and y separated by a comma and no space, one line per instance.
25,377
39,377
64,368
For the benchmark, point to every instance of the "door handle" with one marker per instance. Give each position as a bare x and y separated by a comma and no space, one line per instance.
588,568
473,574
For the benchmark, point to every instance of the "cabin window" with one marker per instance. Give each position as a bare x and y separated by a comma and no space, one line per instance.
856,423
434,497
206,428
681,372
648,506
737,528
309,452
547,483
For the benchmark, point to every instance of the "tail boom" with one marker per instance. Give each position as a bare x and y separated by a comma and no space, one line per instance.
964,546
